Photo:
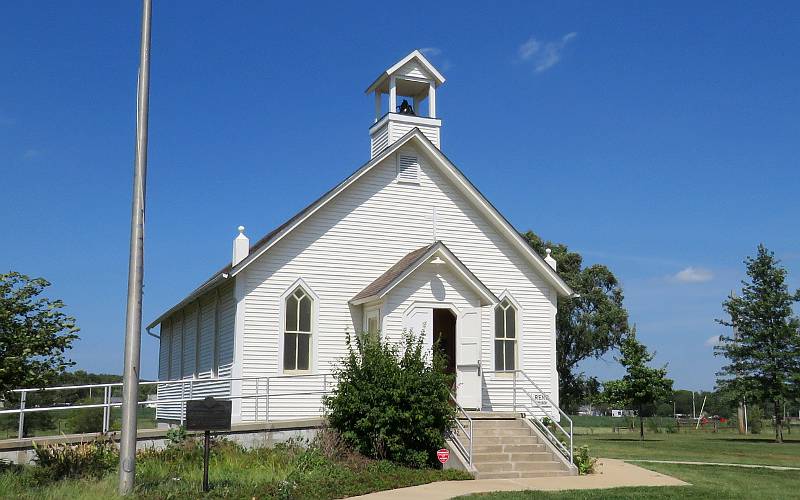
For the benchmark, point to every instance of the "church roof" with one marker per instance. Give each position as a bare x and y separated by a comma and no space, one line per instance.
451,171
408,264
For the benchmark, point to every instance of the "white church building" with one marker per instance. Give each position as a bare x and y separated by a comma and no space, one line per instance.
406,242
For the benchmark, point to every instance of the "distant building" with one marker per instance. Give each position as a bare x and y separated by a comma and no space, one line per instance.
590,411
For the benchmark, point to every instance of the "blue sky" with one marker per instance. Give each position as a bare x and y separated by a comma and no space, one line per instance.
661,140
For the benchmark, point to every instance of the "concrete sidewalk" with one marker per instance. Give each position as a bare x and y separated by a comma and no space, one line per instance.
720,464
611,473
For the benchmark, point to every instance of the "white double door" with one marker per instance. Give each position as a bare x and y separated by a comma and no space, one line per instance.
468,348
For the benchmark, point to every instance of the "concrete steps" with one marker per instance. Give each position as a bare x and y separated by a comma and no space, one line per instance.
506,447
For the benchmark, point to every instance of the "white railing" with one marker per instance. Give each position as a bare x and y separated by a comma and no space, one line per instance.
176,394
465,450
523,399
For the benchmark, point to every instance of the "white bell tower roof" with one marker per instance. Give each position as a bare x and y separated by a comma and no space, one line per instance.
412,80
413,65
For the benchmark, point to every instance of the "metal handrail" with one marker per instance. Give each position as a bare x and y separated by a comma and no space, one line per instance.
561,412
165,382
464,450
567,452
107,404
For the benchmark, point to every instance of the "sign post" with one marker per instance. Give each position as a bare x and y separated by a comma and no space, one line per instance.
208,415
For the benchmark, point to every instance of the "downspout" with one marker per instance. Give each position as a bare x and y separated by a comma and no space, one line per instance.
152,334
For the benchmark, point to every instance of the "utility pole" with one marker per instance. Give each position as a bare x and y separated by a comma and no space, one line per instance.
133,314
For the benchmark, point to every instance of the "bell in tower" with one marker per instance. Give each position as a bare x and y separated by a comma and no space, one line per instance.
414,81
405,108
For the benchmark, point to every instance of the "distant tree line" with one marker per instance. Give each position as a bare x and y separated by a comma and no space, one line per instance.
66,420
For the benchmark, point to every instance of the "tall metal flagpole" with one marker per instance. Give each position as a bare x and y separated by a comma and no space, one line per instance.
133,318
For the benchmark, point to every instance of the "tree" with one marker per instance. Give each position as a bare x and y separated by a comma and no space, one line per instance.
587,326
641,385
763,353
34,333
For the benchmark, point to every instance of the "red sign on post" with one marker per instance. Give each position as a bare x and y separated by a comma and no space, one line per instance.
443,455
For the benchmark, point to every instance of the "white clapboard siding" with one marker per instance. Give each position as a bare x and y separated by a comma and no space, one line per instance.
163,354
189,341
358,236
169,411
227,314
289,398
380,139
398,129
414,69
206,355
176,333
498,395
179,335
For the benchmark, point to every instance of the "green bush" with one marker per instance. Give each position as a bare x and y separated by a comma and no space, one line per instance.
176,435
652,425
392,401
583,461
92,459
755,415
670,427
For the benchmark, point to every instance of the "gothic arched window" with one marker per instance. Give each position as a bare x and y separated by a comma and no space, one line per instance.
505,336
297,331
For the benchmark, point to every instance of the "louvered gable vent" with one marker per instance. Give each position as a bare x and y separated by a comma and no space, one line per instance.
408,168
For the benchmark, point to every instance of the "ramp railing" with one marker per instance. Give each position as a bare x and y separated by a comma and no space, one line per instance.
466,450
539,409
171,396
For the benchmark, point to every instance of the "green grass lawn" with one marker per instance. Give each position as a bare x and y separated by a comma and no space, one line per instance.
715,482
707,482
727,447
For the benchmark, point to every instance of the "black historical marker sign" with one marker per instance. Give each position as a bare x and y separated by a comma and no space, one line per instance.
208,414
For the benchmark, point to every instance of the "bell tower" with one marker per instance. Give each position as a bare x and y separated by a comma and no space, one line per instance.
410,85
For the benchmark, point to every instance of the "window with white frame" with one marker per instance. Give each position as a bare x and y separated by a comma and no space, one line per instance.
505,336
373,320
297,331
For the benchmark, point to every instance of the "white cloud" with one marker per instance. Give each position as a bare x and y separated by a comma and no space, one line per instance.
30,154
712,341
693,275
544,55
529,49
431,51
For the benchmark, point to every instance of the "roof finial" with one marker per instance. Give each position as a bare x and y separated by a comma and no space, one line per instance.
241,246
549,258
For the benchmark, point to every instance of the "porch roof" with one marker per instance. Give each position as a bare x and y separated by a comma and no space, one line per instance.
406,266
